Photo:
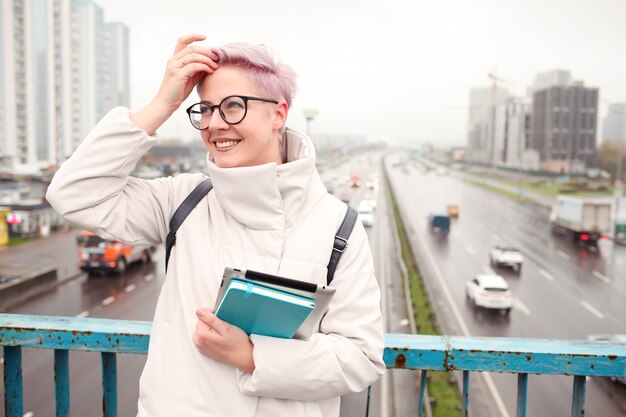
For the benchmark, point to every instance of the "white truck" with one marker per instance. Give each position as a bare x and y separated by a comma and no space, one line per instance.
585,219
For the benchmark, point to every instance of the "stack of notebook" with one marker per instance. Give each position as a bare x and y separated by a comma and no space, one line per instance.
263,310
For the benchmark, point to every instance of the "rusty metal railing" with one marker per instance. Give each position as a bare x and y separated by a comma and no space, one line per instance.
579,358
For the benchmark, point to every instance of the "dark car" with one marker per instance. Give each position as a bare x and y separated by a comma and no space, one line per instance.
439,222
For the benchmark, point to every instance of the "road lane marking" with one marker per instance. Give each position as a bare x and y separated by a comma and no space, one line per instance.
149,277
457,314
546,274
108,301
601,277
130,288
29,414
83,314
470,250
563,254
592,309
517,303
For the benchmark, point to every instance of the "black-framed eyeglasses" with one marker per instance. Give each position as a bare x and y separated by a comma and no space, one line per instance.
233,110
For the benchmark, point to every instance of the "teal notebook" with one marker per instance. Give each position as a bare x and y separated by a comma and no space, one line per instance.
262,310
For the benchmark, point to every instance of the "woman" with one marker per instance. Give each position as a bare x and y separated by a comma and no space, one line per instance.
268,211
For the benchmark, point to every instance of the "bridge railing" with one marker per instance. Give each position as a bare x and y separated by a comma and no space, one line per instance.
579,358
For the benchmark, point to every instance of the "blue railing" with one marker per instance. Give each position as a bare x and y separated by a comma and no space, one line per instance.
427,353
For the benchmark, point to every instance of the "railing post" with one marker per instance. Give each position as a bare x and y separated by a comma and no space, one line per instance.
420,405
465,396
13,400
522,394
61,382
578,396
109,384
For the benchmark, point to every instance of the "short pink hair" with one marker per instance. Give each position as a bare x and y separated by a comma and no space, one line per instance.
262,68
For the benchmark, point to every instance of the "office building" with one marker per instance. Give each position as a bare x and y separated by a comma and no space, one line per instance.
563,127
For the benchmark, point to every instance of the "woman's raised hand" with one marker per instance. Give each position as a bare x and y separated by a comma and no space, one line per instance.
185,68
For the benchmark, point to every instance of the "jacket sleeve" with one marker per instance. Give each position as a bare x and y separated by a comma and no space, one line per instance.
346,356
93,190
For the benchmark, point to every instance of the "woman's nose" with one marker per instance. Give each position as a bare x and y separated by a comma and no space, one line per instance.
217,122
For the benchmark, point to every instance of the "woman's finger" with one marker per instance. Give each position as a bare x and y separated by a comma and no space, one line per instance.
185,40
190,70
196,49
197,58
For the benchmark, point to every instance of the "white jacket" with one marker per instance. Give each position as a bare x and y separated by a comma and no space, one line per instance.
272,218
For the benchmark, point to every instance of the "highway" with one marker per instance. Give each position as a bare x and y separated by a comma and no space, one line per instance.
395,394
563,291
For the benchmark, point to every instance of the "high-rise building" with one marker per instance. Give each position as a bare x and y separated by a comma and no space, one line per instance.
563,132
480,126
12,84
60,66
548,79
614,126
117,75
511,120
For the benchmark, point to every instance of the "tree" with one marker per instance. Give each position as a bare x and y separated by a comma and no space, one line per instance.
608,155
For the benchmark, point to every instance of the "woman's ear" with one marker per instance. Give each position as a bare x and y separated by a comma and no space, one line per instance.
280,115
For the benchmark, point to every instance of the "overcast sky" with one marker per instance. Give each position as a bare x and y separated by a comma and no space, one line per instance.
394,70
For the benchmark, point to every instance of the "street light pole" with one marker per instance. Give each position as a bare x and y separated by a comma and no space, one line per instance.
309,115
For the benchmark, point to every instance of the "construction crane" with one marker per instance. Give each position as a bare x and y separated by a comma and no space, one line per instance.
494,86
495,78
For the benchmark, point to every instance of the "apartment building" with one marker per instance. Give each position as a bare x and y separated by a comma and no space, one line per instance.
62,68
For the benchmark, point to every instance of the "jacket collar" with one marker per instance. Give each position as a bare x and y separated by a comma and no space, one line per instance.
271,196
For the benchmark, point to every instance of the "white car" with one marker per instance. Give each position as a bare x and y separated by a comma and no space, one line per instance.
506,256
489,291
366,214
369,201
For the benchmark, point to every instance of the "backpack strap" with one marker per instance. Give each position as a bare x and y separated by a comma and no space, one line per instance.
341,242
182,212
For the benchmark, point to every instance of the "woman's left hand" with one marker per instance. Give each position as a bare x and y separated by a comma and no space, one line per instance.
222,341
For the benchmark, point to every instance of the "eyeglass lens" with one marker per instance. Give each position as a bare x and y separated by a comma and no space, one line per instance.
232,109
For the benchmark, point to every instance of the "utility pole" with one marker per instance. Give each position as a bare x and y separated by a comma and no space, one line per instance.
310,114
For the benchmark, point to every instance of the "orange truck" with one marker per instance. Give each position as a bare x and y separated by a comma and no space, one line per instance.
96,254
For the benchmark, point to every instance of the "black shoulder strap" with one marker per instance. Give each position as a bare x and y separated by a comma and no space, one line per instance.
339,246
341,242
182,212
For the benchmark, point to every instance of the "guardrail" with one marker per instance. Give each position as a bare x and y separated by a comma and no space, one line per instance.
580,358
